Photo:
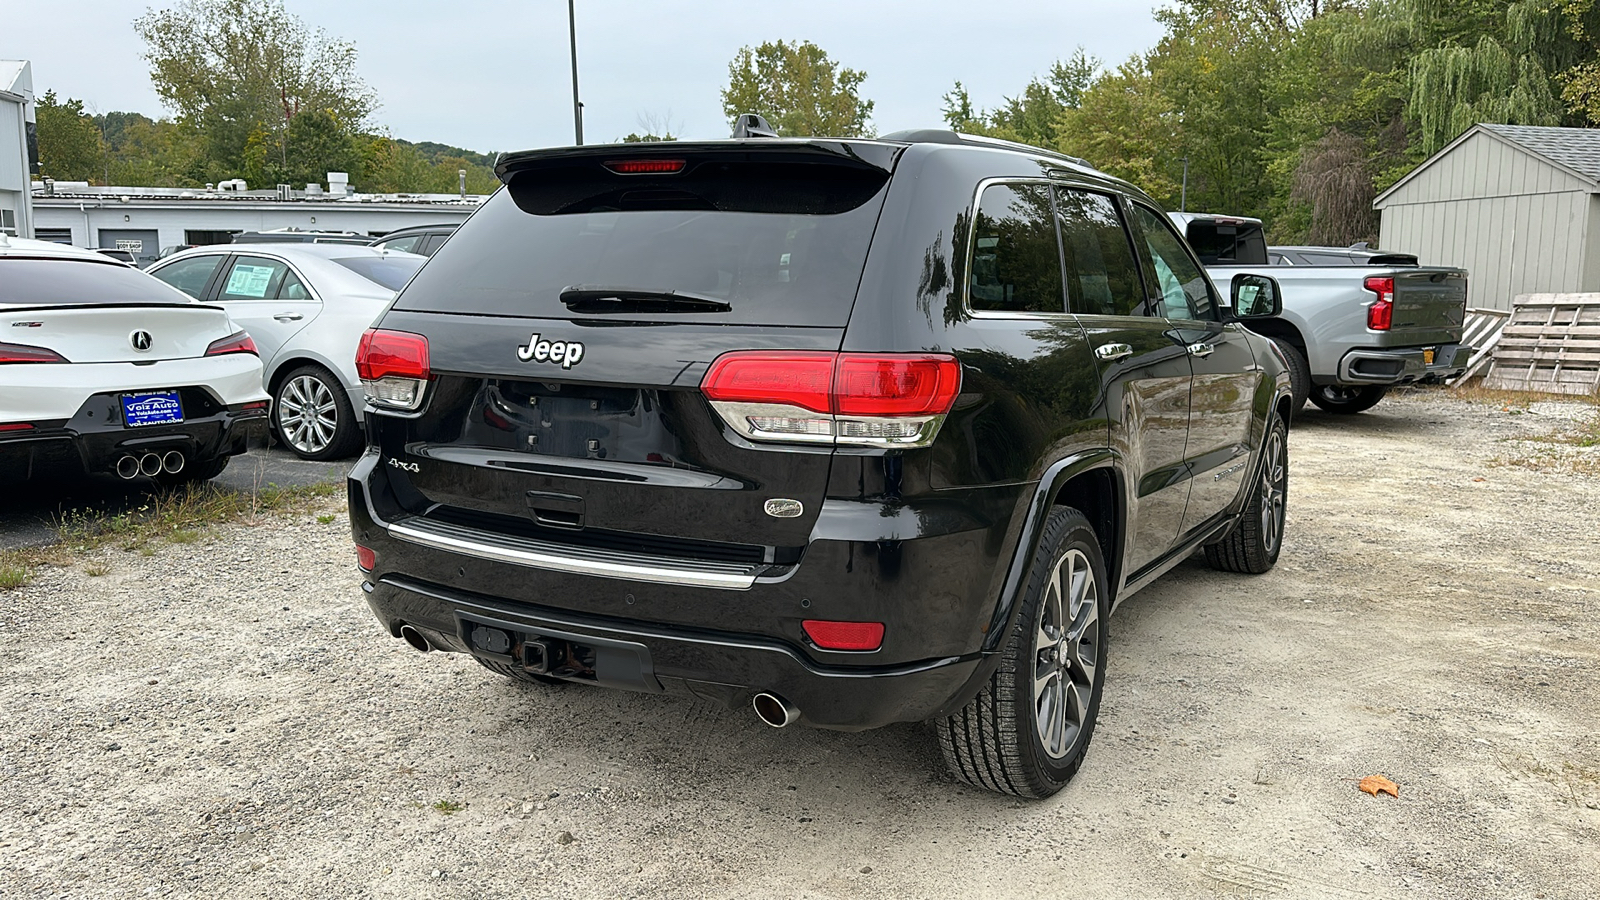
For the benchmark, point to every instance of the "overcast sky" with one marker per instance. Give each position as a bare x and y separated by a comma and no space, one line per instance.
496,75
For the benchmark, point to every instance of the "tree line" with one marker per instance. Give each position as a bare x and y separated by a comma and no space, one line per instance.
1296,111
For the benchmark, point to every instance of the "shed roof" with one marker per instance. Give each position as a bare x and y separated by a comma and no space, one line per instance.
1574,150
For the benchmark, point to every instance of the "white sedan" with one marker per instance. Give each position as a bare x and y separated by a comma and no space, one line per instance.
106,369
306,305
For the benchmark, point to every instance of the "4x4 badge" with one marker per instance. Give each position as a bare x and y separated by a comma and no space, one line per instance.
567,353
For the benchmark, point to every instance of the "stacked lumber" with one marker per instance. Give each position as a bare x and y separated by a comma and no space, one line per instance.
1550,344
1481,332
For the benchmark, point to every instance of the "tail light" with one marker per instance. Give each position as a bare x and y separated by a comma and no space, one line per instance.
856,399
1380,315
844,635
22,353
646,166
238,342
393,366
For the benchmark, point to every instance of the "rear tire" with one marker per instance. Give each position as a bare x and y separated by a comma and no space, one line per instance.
1027,731
311,415
1299,375
1338,398
517,673
1252,547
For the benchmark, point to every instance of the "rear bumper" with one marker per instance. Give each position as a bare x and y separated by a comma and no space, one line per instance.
934,590
93,440
723,667
1404,365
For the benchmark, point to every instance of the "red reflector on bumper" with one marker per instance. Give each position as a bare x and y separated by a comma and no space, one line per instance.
366,558
16,426
844,635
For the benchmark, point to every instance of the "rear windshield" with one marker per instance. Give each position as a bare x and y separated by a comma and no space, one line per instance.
42,282
1217,243
391,272
797,261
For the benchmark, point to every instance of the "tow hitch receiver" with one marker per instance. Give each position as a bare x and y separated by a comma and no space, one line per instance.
575,657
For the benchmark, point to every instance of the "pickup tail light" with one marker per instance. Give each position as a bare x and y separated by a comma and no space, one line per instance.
23,353
393,366
1380,315
851,399
238,342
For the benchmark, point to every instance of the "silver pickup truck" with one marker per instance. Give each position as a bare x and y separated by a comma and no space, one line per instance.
1350,332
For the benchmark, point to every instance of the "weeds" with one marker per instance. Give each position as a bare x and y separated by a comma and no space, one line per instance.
95,570
177,515
13,576
326,519
448,807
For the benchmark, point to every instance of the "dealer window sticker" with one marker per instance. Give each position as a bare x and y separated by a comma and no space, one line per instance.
249,281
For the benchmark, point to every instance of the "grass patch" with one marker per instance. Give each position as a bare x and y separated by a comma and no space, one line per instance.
326,519
95,570
448,807
1473,391
14,576
176,514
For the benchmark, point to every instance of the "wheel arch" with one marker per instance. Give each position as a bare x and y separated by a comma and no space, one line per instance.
1279,329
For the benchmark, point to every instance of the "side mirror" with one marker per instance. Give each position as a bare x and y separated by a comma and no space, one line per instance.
1256,297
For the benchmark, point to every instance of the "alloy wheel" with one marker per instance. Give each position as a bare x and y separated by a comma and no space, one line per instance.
1272,492
1066,653
308,415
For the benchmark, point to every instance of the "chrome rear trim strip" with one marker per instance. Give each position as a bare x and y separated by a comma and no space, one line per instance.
536,555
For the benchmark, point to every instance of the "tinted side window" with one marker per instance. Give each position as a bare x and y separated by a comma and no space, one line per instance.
1016,261
189,275
1177,283
253,278
1102,277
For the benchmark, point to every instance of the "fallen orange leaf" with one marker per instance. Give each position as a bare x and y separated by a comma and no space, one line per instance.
1377,784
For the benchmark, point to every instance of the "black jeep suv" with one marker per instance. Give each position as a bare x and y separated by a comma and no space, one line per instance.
853,431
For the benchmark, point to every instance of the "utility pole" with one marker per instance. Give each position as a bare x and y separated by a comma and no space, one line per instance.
577,107
1183,199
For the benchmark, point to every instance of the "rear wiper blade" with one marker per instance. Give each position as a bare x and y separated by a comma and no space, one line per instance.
597,298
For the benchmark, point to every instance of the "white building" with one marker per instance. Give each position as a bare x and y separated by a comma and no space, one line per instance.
19,147
146,220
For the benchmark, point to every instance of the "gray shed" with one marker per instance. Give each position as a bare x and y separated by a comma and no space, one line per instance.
1517,206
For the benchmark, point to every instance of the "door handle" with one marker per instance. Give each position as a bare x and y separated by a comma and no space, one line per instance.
1202,349
1109,352
288,317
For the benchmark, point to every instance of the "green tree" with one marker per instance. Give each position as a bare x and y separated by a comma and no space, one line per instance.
799,90
70,147
240,71
1034,116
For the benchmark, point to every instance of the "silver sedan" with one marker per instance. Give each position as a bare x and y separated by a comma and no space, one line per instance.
306,306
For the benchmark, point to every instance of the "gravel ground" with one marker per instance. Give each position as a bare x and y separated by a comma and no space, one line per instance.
225,718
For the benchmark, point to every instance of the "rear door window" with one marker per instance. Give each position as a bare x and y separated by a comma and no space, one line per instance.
1016,259
1177,285
252,278
1102,277
190,275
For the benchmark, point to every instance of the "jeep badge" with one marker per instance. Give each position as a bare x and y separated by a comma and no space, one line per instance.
567,353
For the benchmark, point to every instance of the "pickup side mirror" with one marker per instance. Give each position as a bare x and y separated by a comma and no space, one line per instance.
1256,296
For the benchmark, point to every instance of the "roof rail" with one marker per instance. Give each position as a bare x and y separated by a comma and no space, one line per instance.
946,136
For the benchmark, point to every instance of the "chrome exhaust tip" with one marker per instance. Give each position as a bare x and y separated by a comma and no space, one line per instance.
172,462
774,710
414,637
127,468
150,465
